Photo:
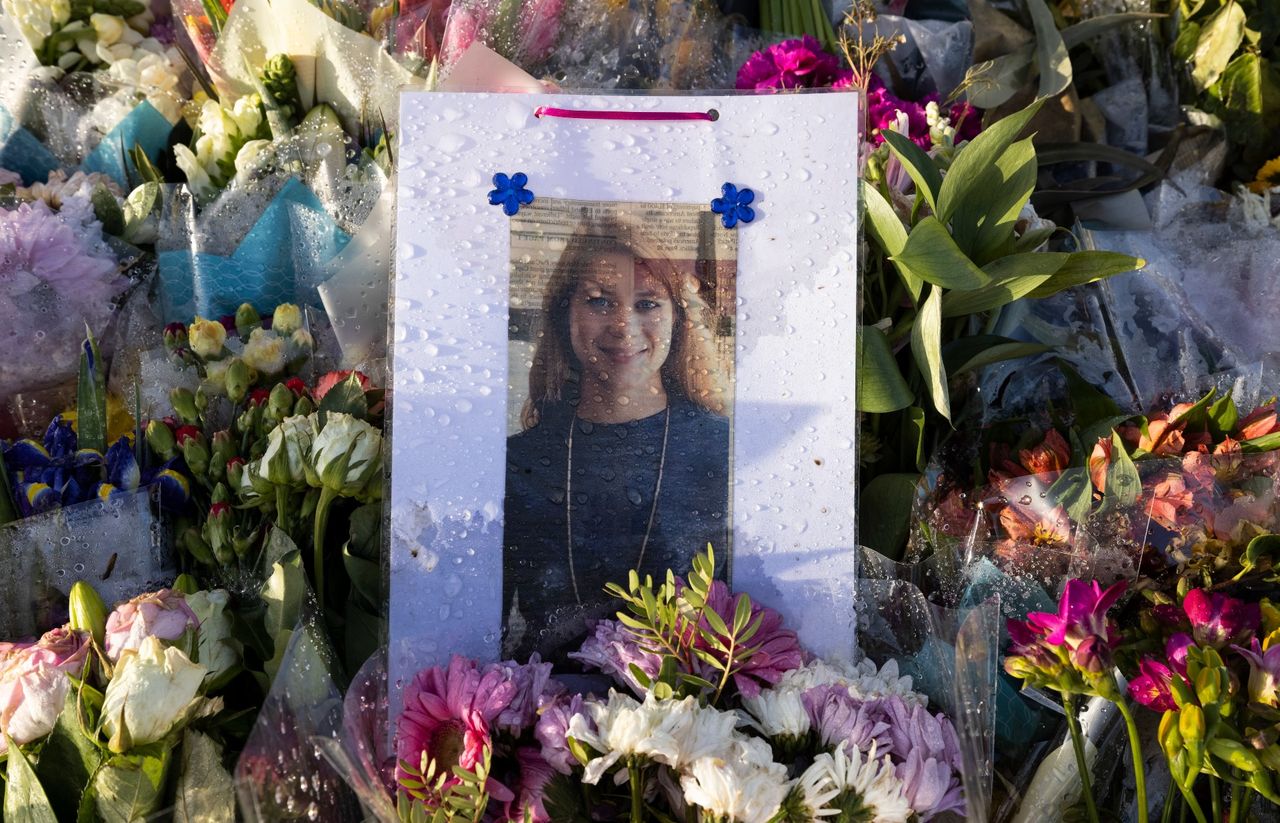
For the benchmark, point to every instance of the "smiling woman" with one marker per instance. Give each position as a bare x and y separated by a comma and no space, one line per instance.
622,458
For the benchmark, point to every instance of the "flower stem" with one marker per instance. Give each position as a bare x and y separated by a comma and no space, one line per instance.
1237,803
637,792
1189,795
327,496
1215,796
1135,748
1082,765
1167,814
282,509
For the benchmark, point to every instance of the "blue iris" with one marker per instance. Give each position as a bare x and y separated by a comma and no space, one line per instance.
734,207
510,192
56,472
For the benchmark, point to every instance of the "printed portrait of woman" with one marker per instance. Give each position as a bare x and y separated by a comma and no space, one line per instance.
622,457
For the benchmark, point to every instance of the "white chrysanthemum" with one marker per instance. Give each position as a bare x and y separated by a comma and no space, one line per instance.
863,679
778,712
737,786
863,783
37,19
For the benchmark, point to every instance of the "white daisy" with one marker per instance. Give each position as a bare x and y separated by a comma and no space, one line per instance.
862,784
744,786
777,712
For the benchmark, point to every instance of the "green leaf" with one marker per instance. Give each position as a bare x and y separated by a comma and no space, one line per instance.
881,387
284,594
888,231
1223,416
918,164
1188,38
1082,267
1073,491
1248,101
884,510
933,255
998,353
205,793
962,186
958,303
984,228
1264,545
1090,404
1051,51
926,347
142,163
1219,39
24,798
1123,482
912,448
91,397
139,205
347,398
107,210
1084,31
993,83
1026,264
67,759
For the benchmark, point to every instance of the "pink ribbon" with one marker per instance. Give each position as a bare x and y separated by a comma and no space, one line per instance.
597,114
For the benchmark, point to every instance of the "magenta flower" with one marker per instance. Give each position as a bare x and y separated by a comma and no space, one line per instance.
841,719
533,685
778,649
552,730
1176,651
791,64
1264,673
163,614
1218,620
447,717
612,649
1082,614
1151,687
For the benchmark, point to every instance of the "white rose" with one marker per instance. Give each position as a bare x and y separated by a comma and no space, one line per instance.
151,689
219,650
266,351
346,455
288,446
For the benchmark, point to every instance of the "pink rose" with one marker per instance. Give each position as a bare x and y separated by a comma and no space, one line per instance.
64,649
32,693
164,615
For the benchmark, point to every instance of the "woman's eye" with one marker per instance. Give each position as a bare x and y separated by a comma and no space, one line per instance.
598,302
647,305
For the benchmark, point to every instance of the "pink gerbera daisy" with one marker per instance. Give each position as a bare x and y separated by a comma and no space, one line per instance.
447,717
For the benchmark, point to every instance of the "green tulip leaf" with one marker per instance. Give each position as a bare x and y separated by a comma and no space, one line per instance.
932,255
984,228
68,758
994,82
1223,416
999,353
91,397
1083,267
887,230
926,347
958,303
1123,482
918,164
1073,491
963,186
881,387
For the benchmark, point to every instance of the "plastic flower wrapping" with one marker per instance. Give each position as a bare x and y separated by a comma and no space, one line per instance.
1067,603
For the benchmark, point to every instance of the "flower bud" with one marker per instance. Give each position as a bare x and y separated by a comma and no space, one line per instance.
304,406
1208,686
88,612
195,545
346,455
221,448
280,402
235,468
288,447
247,319
201,399
148,694
207,338
1191,725
187,584
1168,735
175,337
239,377
160,439
196,452
286,320
266,351
184,405
217,531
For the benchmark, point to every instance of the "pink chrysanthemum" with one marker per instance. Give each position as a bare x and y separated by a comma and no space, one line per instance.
778,648
447,718
613,649
37,248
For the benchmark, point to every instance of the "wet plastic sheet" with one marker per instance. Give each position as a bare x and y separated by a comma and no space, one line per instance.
117,545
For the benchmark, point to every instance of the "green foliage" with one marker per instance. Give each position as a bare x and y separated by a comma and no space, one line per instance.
430,793
799,17
25,800
91,397
679,624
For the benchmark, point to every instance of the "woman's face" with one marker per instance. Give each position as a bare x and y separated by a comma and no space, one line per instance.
620,321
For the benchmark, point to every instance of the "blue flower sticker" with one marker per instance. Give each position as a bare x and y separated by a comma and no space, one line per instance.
735,206
510,192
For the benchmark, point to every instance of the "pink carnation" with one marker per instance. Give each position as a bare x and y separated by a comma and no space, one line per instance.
791,64
164,615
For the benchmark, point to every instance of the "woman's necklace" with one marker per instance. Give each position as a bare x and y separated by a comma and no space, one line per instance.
568,498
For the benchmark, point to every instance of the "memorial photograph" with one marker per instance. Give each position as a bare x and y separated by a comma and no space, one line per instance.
619,407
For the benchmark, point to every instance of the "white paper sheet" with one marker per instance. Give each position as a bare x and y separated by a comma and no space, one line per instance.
795,426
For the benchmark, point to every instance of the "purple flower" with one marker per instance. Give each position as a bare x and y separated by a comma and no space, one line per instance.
552,730
164,615
1264,673
791,64
843,720
778,649
1151,687
613,650
533,684
37,248
1176,651
535,774
1218,620
932,786
926,750
1082,613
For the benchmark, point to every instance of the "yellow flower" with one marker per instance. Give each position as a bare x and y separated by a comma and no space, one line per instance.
1268,177
206,338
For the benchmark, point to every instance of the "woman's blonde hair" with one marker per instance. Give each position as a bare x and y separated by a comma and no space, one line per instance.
691,368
